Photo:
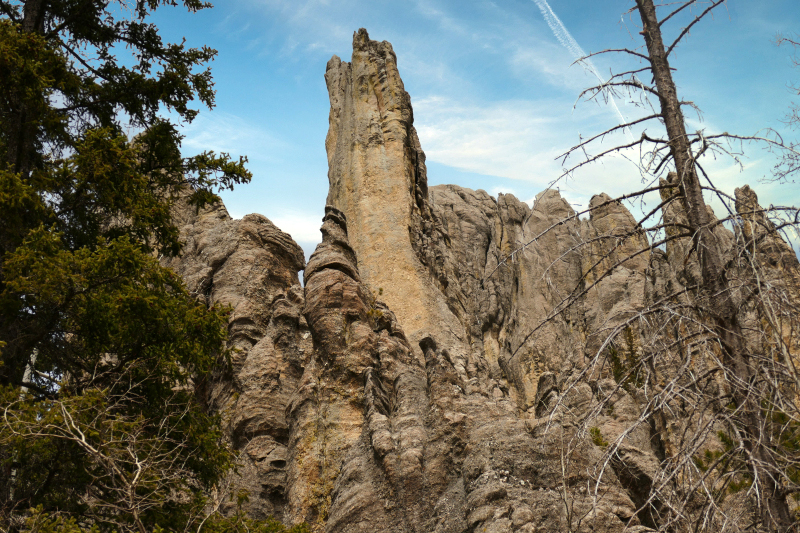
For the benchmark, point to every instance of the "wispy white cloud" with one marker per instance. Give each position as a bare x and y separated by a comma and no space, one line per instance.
545,60
566,39
560,31
306,25
446,21
505,139
520,140
224,132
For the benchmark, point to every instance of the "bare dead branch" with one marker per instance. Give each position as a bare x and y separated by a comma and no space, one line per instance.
634,84
614,50
607,132
695,21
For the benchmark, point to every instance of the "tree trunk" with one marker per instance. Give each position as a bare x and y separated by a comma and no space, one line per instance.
21,131
773,506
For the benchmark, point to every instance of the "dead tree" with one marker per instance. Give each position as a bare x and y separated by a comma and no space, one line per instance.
716,357
714,287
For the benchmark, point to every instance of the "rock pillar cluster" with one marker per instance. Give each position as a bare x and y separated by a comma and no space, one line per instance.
424,378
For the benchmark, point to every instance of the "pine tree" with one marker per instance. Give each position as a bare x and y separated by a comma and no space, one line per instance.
100,346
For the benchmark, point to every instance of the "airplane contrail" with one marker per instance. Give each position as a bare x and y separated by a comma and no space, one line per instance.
566,40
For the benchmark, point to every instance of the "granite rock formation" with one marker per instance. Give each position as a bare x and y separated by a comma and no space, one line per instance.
424,378
251,266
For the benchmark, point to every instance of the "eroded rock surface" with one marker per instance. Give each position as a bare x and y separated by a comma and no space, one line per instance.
384,441
251,266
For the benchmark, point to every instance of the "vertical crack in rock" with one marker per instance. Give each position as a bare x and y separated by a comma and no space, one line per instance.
357,439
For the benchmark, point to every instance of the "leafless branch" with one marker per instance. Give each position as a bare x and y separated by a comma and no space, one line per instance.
675,12
697,19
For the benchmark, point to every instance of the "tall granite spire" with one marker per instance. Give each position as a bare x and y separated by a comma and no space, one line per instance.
378,179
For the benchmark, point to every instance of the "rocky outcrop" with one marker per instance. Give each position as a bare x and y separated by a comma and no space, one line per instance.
357,432
472,271
456,362
385,441
251,266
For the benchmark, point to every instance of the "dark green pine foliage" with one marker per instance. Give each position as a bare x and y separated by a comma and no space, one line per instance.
100,346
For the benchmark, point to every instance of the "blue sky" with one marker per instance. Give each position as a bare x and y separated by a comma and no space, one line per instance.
491,85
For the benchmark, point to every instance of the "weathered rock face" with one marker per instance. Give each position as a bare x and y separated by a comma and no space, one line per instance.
377,177
430,374
384,441
251,266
